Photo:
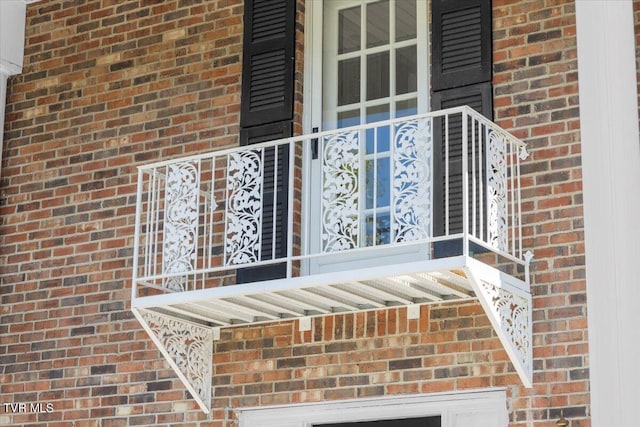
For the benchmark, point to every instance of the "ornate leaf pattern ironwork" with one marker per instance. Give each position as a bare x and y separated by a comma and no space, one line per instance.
412,179
180,223
497,215
340,173
513,312
244,207
189,346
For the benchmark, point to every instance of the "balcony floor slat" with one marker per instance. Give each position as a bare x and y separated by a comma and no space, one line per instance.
241,307
362,301
429,281
335,299
266,301
384,289
285,308
436,286
328,305
198,313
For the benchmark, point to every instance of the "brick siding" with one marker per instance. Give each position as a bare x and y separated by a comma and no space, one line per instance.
109,85
365,354
536,98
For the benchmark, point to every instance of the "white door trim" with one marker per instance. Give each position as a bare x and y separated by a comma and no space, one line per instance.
486,407
312,118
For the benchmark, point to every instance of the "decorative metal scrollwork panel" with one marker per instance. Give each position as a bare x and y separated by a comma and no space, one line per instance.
180,223
497,215
189,347
244,207
513,313
412,178
340,175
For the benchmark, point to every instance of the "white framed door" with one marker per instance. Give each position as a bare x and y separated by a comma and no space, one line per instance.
368,63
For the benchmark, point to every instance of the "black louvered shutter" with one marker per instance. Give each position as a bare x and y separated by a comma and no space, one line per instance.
461,43
462,72
268,62
267,115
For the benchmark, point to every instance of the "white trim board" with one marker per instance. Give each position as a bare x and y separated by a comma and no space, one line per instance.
487,407
611,178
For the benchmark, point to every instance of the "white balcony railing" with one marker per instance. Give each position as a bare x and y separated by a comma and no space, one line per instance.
410,211
449,177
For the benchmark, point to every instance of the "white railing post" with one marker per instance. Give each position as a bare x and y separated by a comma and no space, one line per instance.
213,203
515,152
482,174
362,184
155,213
305,218
290,204
465,184
225,216
446,174
261,214
474,178
136,237
522,155
274,219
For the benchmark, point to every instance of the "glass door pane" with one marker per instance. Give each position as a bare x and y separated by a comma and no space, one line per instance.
370,73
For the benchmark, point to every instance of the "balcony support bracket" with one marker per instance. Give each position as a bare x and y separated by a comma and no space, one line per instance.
507,302
187,346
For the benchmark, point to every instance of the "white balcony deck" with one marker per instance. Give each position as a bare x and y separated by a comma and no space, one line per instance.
359,223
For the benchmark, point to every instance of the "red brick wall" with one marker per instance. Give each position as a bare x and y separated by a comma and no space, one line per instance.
536,98
109,85
358,355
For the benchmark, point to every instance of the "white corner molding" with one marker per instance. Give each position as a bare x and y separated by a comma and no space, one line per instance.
12,20
611,182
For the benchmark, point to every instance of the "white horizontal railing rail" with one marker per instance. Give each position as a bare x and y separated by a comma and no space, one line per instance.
446,176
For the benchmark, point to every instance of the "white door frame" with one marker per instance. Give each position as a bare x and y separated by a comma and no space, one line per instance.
313,78
485,407
312,118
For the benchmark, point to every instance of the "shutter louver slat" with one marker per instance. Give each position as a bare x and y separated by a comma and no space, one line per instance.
268,29
268,13
452,45
464,39
267,80
461,20
459,63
